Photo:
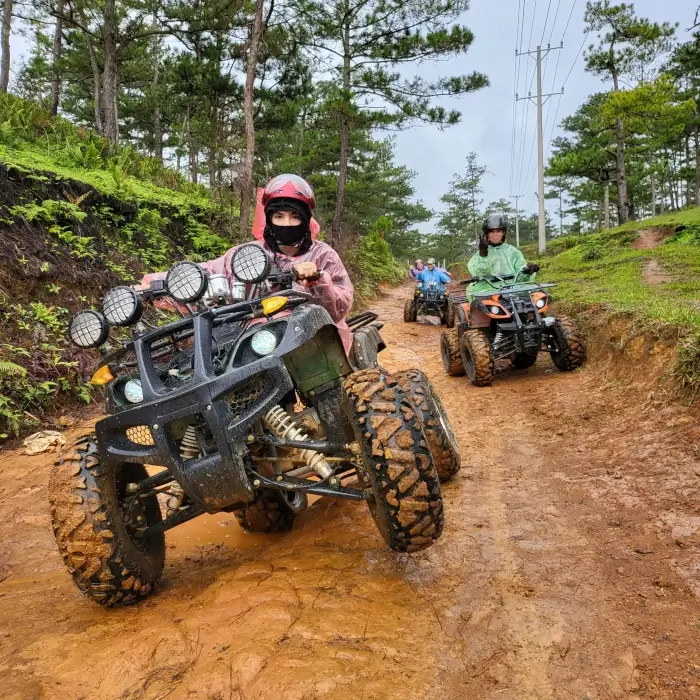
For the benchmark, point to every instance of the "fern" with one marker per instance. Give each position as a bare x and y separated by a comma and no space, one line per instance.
7,367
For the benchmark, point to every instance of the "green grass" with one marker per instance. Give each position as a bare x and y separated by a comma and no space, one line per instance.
127,188
603,269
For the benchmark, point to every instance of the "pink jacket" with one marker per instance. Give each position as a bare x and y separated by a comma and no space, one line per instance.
333,291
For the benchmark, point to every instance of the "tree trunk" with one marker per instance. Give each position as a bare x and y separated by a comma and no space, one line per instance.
336,226
96,78
191,149
56,57
109,78
697,165
157,125
606,205
254,40
653,194
622,198
5,45
689,179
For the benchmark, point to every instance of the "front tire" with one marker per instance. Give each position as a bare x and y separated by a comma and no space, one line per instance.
409,311
398,466
523,360
271,511
436,425
94,526
477,358
450,314
451,355
568,339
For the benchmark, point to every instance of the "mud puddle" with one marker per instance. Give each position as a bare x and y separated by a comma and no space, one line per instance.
568,569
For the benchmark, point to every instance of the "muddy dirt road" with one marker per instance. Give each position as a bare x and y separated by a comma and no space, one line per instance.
569,568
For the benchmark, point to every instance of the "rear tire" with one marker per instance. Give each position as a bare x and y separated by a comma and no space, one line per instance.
451,355
570,343
271,511
476,356
398,466
436,425
99,548
523,360
409,311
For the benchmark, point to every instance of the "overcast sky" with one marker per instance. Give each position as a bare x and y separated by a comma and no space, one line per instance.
487,116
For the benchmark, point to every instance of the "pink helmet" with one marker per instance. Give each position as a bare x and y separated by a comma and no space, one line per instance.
289,187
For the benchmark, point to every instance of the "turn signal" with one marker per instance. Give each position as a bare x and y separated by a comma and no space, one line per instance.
273,304
102,376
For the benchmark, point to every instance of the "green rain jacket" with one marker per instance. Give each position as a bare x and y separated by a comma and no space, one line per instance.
504,259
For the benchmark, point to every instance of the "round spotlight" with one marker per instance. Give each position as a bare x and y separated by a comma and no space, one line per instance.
250,263
122,306
88,329
186,282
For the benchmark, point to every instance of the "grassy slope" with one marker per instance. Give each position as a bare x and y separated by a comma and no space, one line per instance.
605,269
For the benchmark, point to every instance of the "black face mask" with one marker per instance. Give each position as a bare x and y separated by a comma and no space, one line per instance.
289,235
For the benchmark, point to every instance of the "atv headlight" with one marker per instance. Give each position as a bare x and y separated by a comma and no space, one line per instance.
495,309
133,391
541,303
186,282
88,329
250,263
263,343
122,306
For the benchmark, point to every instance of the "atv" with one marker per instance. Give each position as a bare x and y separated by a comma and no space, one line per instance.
507,322
247,403
429,299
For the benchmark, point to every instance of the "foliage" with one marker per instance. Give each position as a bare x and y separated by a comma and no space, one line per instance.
374,262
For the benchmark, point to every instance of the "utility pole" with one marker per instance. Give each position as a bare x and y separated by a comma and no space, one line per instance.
540,99
516,197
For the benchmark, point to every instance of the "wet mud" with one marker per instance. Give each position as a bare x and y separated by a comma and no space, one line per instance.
569,567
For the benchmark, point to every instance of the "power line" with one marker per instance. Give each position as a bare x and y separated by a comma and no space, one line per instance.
583,43
546,19
554,23
515,92
573,5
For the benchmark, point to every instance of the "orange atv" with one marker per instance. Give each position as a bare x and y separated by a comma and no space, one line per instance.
505,320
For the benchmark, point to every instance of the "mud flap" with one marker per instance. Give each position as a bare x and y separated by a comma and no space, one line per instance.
367,343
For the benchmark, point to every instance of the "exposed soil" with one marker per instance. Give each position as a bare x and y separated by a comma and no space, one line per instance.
569,567
654,274
652,237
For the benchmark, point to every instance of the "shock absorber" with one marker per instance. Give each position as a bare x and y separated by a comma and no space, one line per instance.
497,339
284,426
189,449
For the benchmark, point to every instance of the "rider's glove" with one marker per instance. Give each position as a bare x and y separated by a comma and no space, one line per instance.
531,268
483,247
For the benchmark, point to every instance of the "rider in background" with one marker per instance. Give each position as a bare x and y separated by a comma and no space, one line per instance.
496,257
434,274
416,269
288,201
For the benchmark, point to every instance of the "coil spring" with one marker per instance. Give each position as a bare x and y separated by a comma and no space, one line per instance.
189,449
284,426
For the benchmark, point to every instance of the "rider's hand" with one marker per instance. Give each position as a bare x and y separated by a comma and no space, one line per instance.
307,271
531,268
483,247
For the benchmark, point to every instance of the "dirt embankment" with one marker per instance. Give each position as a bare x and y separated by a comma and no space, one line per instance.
569,567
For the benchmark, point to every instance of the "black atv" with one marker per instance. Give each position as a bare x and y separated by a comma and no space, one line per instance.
429,299
507,322
247,403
